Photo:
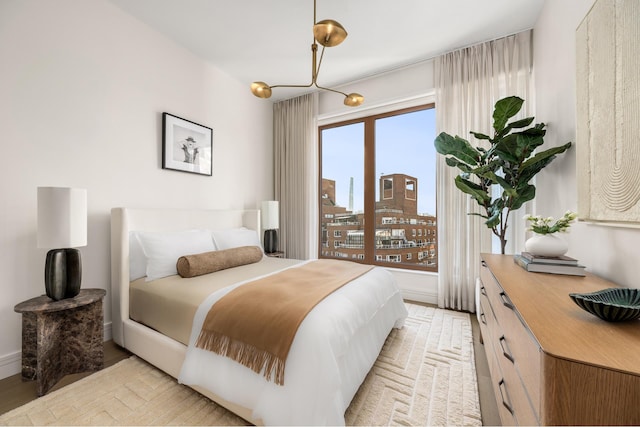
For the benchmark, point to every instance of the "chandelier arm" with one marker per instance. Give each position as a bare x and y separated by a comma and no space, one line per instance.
309,85
317,69
314,67
331,90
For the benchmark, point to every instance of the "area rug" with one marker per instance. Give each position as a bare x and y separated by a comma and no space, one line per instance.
425,375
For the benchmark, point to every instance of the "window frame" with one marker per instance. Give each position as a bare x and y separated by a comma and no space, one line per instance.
369,223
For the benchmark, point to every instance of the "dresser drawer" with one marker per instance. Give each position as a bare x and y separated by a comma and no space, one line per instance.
522,349
487,319
521,402
509,391
500,388
514,408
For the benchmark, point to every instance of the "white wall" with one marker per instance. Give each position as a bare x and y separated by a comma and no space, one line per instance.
607,251
82,90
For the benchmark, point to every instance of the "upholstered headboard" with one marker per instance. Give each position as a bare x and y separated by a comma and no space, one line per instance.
125,220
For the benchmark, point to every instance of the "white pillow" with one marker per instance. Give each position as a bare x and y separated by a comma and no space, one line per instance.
162,249
235,237
137,259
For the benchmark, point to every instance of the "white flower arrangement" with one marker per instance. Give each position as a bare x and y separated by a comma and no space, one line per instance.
547,225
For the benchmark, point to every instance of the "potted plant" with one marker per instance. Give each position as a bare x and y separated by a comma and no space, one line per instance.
545,242
508,163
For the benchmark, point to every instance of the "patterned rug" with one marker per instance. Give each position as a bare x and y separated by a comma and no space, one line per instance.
425,375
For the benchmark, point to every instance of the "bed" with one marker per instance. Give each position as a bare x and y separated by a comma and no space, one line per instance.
159,320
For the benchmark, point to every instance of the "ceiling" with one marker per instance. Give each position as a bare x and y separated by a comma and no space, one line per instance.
270,40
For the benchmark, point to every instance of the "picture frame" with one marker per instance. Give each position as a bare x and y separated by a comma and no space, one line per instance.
186,146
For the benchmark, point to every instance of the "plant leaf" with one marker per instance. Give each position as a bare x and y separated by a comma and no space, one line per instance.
477,214
508,189
493,220
480,135
536,163
458,147
453,162
522,123
518,124
473,189
505,108
518,146
507,149
525,194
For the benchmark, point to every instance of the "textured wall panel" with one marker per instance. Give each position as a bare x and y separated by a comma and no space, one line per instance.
608,112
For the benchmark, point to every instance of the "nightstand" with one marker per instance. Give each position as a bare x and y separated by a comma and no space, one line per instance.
61,337
276,254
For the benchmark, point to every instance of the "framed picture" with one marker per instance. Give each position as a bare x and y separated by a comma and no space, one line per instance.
186,146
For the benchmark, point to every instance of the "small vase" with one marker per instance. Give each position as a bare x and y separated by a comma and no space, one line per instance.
546,245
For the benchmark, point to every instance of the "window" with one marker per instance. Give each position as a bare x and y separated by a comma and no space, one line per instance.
387,188
337,233
379,172
397,232
410,189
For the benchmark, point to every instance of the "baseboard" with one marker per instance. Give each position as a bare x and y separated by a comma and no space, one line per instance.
107,331
425,297
11,364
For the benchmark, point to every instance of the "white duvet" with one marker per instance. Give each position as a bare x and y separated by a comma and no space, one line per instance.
333,351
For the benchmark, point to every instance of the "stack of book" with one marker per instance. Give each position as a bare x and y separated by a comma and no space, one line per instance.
554,265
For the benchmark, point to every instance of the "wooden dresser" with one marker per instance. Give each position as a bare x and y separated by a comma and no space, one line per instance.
551,362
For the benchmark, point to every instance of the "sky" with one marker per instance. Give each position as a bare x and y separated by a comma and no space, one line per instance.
404,144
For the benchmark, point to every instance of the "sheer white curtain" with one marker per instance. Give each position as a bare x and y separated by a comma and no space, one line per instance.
294,135
468,84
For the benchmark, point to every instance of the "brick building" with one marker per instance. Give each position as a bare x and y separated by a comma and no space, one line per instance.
402,234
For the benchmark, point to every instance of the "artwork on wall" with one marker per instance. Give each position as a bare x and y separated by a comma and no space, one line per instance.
608,113
186,146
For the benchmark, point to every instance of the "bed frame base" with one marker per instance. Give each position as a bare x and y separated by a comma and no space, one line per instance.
150,345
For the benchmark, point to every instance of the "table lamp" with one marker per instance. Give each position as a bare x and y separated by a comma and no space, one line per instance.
62,226
270,217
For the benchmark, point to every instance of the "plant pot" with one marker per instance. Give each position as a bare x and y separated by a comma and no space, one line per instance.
549,245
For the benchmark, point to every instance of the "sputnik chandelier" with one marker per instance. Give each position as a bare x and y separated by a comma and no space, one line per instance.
328,33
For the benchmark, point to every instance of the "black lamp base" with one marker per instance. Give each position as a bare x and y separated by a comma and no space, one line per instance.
62,273
270,241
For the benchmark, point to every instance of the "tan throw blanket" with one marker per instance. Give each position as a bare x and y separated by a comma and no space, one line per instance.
255,323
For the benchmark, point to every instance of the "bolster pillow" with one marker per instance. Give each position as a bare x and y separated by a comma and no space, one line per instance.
208,262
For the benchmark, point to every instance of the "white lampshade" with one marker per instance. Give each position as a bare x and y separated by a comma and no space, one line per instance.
62,217
270,215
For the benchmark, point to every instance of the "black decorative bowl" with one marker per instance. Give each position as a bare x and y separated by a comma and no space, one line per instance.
612,304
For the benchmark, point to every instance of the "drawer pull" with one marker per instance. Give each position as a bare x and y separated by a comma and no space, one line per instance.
505,349
483,291
504,394
484,264
505,301
483,318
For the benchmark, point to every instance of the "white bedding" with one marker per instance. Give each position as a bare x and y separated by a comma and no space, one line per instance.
333,351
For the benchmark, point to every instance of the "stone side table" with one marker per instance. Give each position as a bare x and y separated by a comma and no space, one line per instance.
61,337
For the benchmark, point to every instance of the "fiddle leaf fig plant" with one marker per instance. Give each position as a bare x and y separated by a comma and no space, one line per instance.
508,163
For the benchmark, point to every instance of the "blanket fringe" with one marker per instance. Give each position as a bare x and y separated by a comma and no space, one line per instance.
253,358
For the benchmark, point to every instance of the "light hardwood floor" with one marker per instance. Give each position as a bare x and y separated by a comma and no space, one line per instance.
14,392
